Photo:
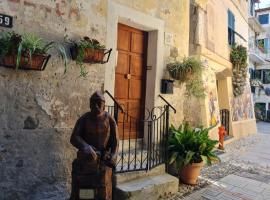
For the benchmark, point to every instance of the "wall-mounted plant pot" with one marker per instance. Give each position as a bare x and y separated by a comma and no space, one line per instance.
253,89
166,86
91,55
36,62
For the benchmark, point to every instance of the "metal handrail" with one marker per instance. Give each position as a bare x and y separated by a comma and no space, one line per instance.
174,110
114,100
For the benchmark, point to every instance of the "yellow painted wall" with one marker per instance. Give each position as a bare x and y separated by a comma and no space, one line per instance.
209,40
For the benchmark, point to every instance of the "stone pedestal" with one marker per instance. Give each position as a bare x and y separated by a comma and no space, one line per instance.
91,180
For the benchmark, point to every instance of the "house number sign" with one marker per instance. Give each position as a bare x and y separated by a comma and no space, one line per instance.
5,21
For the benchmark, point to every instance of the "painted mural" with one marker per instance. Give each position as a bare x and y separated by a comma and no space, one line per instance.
241,107
211,90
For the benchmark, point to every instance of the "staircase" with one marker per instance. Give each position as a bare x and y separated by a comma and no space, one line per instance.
140,170
152,185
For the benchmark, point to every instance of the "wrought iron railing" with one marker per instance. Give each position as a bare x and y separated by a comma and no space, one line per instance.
142,141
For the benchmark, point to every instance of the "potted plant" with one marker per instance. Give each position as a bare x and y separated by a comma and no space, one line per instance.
88,50
190,148
188,71
183,70
26,51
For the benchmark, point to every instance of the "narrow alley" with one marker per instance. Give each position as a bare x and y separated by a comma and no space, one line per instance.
243,174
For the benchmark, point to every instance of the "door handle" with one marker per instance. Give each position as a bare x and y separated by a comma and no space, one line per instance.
128,76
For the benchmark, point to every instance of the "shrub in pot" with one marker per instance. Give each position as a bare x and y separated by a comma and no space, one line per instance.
190,148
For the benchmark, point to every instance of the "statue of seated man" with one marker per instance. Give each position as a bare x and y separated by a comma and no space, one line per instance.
95,135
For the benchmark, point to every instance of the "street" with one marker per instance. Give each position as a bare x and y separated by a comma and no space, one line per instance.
243,174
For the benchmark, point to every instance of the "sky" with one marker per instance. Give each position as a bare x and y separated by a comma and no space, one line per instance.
264,3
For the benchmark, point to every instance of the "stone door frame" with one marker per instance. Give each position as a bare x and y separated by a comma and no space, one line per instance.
155,54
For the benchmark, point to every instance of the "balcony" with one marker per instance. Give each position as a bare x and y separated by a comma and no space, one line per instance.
255,25
256,54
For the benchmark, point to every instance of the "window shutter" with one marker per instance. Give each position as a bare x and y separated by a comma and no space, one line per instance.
231,28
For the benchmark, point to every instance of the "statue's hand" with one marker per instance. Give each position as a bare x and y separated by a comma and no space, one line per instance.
113,159
91,151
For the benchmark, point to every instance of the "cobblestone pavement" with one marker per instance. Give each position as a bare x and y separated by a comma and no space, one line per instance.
244,161
263,127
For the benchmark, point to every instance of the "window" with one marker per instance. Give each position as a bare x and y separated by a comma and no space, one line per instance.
231,28
258,74
266,76
252,73
264,19
263,44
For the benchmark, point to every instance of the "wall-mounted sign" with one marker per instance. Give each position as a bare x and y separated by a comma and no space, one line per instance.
6,21
168,39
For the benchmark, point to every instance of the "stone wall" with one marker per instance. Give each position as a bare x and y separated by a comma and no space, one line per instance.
38,109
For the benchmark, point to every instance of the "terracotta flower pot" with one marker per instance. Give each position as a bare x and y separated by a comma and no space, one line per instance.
37,62
189,174
89,55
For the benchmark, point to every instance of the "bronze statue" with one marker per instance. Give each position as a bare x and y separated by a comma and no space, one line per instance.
95,135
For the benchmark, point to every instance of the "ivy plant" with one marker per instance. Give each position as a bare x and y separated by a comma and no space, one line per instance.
238,57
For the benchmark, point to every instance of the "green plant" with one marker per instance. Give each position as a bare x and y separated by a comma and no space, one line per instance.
27,44
188,145
188,71
181,71
238,57
82,45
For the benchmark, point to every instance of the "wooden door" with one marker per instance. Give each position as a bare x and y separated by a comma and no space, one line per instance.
130,79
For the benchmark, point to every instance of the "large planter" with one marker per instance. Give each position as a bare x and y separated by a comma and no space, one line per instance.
91,55
36,62
189,174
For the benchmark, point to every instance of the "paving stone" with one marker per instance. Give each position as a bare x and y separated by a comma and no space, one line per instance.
234,180
211,192
225,196
254,187
245,193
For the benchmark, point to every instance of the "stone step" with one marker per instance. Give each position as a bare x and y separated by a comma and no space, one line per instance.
150,188
133,175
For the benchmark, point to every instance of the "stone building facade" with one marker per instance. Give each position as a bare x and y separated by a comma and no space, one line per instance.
39,109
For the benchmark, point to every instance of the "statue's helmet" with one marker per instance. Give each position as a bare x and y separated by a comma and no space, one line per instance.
98,95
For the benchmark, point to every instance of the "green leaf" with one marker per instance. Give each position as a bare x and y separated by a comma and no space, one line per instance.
188,157
19,53
173,157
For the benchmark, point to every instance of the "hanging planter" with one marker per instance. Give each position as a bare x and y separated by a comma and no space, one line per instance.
36,62
90,55
26,52
88,50
183,71
189,72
